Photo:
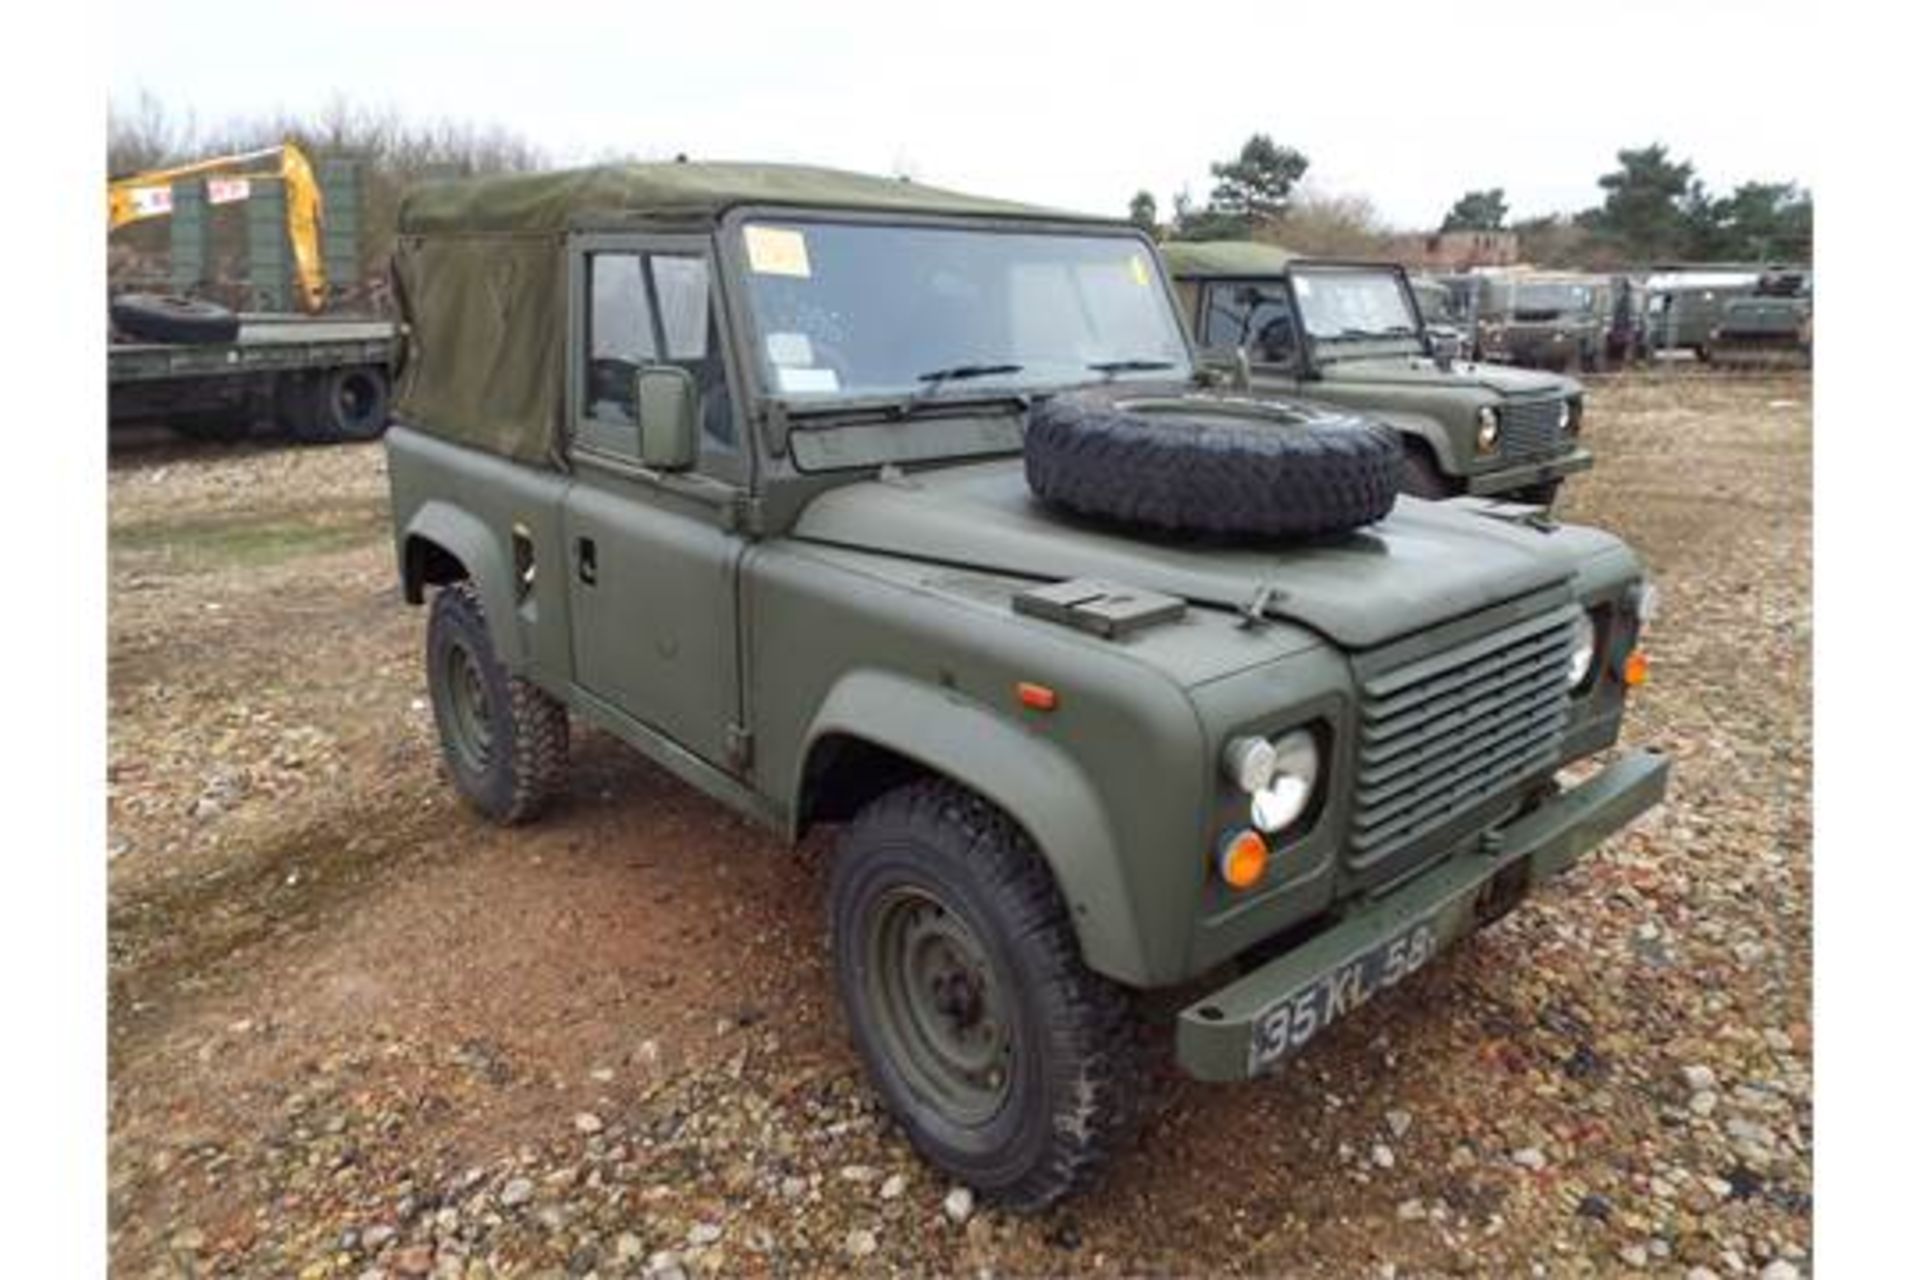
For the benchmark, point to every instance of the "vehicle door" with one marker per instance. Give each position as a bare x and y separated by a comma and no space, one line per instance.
653,552
1258,315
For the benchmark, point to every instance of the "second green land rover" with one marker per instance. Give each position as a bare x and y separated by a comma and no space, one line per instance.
1350,334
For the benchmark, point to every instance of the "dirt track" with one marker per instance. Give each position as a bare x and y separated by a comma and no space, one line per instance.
352,1025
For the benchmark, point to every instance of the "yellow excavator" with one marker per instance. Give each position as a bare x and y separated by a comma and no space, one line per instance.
150,195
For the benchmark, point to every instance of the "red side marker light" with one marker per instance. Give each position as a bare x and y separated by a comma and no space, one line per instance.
1037,696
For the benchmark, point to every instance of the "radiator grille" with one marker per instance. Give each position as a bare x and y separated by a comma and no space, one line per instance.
1530,428
1444,734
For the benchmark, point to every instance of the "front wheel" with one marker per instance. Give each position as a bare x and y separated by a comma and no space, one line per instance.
1421,475
1011,1066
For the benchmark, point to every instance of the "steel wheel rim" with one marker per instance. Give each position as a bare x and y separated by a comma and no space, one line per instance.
469,708
937,1006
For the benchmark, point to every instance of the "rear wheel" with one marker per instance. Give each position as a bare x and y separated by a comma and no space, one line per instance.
336,406
1010,1065
503,739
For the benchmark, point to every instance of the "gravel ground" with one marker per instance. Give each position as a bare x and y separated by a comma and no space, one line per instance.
355,1032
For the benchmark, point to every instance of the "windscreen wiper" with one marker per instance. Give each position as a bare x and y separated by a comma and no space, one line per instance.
1111,367
933,379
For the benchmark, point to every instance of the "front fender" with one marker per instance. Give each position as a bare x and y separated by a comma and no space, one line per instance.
1036,783
467,539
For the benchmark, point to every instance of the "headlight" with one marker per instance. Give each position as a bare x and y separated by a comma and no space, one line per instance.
1278,775
1487,438
1583,642
1574,411
1249,763
1566,416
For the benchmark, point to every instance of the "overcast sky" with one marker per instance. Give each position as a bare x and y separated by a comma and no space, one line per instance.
1069,106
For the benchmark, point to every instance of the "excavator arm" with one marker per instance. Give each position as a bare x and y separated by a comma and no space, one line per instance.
150,195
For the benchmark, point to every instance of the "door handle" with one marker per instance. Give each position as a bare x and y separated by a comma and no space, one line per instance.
583,555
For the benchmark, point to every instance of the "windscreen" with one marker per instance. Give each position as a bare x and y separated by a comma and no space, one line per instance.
845,310
1552,297
1353,304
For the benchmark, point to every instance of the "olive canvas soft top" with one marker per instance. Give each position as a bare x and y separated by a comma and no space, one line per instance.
1191,259
479,272
614,196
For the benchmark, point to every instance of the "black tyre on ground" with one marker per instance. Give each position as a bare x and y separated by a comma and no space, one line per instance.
504,740
1011,1066
336,406
1211,465
157,317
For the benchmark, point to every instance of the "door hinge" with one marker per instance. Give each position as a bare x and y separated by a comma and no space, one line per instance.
739,746
744,516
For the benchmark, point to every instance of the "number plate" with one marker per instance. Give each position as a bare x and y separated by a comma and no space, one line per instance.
1283,1028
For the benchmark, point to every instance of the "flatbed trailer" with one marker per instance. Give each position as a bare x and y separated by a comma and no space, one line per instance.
314,379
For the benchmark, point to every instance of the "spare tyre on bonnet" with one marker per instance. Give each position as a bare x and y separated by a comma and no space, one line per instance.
1211,464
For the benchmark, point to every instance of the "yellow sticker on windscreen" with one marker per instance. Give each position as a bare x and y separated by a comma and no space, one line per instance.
777,251
1138,265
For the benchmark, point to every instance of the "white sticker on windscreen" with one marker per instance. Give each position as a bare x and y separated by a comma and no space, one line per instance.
790,349
805,380
777,251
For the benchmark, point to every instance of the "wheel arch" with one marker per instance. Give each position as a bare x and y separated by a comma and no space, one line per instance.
877,729
1426,430
441,544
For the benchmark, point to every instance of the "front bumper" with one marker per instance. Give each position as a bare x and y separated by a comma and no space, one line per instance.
1521,475
1227,1034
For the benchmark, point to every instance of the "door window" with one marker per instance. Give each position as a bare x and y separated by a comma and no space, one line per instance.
647,309
692,336
1264,323
620,339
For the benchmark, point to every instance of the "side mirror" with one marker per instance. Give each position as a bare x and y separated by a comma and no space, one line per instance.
1444,345
669,409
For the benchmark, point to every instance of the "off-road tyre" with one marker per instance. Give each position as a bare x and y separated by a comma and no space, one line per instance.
1421,475
1073,1064
520,766
158,317
337,406
1212,465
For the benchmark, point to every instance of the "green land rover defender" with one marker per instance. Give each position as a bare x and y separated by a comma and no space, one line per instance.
851,501
1351,334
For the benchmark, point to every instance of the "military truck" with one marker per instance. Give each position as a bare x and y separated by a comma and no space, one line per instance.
853,501
1350,334
1684,307
1546,320
1772,323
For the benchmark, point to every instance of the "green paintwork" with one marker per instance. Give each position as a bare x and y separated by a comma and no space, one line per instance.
814,599
1216,1033
1435,407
